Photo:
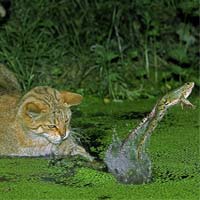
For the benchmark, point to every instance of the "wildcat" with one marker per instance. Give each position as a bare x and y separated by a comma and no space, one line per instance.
37,124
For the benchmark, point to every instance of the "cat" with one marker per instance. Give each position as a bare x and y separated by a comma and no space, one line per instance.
38,123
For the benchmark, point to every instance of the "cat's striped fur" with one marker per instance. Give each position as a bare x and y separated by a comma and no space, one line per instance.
46,112
38,124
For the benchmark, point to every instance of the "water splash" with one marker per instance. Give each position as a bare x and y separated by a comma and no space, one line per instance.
123,163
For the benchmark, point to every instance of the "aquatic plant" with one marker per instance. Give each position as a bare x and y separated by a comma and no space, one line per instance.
128,161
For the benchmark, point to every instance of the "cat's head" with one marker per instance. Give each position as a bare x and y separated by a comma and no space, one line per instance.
45,112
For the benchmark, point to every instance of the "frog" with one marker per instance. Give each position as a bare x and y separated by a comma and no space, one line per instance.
172,98
128,160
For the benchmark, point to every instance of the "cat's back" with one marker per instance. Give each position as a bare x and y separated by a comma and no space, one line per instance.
8,104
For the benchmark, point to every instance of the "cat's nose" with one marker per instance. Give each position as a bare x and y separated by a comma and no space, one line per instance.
66,134
61,131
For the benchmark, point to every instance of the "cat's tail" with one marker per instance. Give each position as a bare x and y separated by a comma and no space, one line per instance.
8,80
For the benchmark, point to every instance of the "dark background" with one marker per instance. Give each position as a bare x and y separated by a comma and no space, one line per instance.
113,49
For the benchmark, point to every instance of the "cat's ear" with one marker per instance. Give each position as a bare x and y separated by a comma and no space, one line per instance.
32,109
71,99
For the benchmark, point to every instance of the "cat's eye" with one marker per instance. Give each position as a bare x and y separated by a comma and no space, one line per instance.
67,120
52,126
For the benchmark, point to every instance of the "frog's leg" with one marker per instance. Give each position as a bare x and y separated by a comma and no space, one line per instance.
185,102
142,142
140,147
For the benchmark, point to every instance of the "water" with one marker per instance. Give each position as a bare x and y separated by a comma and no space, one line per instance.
123,163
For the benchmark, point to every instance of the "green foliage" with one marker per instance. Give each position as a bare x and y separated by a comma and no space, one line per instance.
109,48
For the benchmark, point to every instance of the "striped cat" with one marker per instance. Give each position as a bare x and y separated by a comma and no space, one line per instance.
38,124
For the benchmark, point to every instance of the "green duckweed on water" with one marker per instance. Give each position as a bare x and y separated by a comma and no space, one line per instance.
173,148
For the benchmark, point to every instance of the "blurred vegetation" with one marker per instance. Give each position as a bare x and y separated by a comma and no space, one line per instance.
111,49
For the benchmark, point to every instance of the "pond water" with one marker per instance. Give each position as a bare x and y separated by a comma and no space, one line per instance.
173,149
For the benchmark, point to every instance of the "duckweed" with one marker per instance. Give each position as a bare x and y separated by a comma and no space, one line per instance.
174,151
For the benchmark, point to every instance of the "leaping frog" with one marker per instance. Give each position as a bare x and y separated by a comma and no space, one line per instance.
128,160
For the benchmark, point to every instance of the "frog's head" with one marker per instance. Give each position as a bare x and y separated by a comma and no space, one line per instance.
181,92
176,96
187,89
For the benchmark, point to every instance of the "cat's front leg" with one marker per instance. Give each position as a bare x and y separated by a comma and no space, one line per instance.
69,147
79,150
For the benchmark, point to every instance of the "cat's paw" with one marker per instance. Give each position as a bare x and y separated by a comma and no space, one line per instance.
78,150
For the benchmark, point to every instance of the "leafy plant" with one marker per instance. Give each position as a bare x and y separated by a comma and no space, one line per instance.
109,49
